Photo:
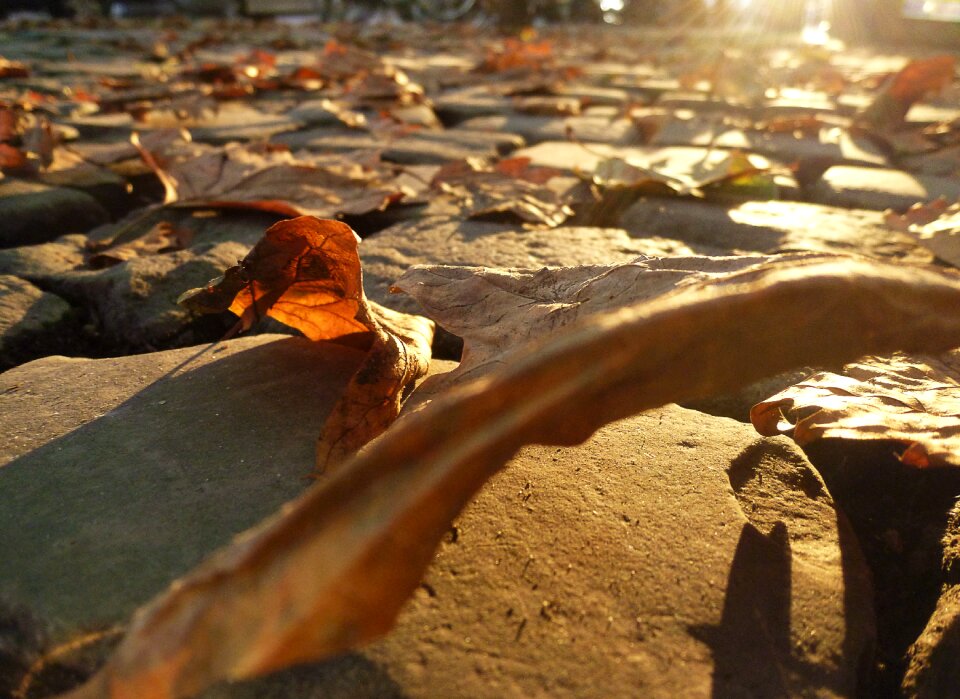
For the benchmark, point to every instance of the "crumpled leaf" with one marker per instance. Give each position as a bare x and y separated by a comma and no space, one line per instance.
160,238
510,307
482,191
333,568
912,399
13,69
266,178
516,54
916,79
734,172
936,226
619,182
306,273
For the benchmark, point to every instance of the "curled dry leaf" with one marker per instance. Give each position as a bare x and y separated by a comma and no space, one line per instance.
306,273
160,238
914,400
916,79
265,178
13,69
511,189
333,568
498,310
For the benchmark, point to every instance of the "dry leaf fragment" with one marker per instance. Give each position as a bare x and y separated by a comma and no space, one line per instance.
266,178
306,273
484,191
914,400
160,238
13,69
916,79
497,310
332,569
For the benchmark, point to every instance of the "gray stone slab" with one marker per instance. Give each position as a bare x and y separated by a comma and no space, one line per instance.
120,474
35,213
773,227
831,145
29,318
135,301
879,189
673,554
37,263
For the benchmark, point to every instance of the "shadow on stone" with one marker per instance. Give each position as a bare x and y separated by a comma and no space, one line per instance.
752,640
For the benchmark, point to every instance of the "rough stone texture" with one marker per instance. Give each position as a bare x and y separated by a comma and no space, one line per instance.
38,262
933,671
421,147
35,213
879,189
28,317
771,227
673,554
136,301
120,474
388,254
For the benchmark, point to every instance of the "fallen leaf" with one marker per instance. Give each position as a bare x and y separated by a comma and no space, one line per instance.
267,179
911,399
510,307
160,238
483,192
916,79
516,54
306,273
13,69
333,568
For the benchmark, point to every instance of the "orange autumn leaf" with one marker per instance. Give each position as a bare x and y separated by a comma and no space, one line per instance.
332,569
13,69
911,399
916,79
305,272
921,77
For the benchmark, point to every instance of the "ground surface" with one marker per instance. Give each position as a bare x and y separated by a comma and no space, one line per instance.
676,553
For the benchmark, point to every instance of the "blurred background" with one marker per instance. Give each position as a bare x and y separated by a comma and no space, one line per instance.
934,22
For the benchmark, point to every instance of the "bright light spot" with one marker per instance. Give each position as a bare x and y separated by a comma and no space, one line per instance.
612,5
251,71
817,34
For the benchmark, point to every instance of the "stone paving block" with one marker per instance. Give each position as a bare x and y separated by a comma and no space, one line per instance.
879,188
773,227
36,213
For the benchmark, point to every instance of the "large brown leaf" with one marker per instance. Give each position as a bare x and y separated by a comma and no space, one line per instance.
910,399
265,178
498,310
333,568
916,79
306,273
483,191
